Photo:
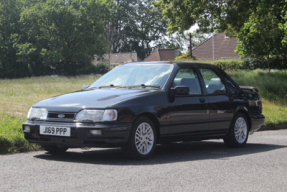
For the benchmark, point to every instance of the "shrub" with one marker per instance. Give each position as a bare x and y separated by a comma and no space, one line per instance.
101,68
185,57
98,69
232,64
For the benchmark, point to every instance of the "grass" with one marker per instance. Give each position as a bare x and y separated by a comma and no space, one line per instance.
272,88
18,95
274,114
11,135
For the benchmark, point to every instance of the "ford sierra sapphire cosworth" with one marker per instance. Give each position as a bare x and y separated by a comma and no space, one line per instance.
136,106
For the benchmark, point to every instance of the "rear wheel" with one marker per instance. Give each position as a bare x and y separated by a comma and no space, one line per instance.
238,133
53,149
142,140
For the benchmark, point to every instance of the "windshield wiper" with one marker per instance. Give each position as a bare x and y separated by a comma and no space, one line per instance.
35,118
90,88
144,86
111,86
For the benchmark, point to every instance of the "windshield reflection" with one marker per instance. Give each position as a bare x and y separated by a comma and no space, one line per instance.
135,74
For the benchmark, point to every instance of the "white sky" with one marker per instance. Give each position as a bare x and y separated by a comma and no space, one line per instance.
191,29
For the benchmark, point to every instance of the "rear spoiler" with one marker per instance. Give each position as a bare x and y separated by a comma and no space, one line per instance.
249,88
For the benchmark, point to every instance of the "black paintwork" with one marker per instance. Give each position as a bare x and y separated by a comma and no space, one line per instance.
177,116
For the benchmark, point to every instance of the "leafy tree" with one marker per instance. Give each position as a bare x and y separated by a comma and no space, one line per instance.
176,39
117,23
64,34
135,25
10,28
207,14
283,28
261,36
258,24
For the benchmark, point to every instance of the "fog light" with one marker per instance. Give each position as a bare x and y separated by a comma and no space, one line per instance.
96,132
26,129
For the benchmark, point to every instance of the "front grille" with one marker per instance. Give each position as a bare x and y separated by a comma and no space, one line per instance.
58,116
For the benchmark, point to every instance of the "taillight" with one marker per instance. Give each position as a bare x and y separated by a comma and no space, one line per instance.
259,103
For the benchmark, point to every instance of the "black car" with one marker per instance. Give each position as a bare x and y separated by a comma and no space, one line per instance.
136,106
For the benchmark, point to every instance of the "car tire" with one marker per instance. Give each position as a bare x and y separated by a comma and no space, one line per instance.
142,140
238,132
53,149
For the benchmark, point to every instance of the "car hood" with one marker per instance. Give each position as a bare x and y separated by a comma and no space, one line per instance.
95,99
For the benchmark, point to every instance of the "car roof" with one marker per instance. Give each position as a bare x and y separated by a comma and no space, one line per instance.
179,63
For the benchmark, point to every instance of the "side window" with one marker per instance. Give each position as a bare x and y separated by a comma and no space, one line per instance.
212,82
188,77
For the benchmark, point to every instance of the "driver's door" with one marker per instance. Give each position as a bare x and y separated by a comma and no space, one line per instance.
188,114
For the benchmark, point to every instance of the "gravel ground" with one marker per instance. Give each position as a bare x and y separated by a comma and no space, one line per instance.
194,166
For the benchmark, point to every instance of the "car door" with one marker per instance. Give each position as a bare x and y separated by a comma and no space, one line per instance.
221,105
188,114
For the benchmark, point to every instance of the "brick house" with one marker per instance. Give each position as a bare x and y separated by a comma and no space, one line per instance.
117,58
163,55
224,48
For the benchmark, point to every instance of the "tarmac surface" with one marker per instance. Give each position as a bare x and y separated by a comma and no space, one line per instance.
195,166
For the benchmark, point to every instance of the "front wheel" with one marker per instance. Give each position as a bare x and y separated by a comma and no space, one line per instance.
238,133
142,139
53,149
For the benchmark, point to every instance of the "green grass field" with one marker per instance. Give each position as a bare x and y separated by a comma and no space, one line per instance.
18,95
273,90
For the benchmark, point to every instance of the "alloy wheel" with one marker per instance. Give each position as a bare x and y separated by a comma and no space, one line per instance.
144,138
240,130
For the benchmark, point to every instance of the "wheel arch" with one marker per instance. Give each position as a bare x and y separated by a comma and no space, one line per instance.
244,111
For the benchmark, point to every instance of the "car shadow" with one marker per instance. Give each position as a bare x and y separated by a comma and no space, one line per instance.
168,153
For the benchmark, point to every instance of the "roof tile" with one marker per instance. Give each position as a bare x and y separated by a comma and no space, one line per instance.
223,48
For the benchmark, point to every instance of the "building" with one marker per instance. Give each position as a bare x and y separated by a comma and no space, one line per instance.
117,58
163,55
224,48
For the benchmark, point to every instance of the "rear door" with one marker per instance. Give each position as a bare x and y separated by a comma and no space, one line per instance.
221,105
188,114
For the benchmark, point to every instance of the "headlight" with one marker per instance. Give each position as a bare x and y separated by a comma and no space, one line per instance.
97,115
110,115
37,113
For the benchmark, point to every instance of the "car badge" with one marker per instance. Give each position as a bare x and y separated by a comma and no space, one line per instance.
61,115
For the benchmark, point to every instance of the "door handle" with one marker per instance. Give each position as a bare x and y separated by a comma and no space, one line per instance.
202,100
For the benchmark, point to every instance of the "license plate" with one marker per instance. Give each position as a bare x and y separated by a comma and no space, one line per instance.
55,131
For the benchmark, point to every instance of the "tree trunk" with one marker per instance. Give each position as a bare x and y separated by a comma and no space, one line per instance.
268,58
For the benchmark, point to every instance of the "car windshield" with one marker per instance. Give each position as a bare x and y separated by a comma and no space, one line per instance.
142,75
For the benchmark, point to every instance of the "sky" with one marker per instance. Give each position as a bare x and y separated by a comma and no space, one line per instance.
191,29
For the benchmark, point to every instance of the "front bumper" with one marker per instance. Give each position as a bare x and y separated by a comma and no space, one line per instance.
256,122
112,134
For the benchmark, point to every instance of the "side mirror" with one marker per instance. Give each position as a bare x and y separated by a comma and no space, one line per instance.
180,90
85,87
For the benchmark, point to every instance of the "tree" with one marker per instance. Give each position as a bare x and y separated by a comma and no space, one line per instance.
176,39
259,25
10,30
64,34
135,25
121,16
261,36
147,32
283,27
207,14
